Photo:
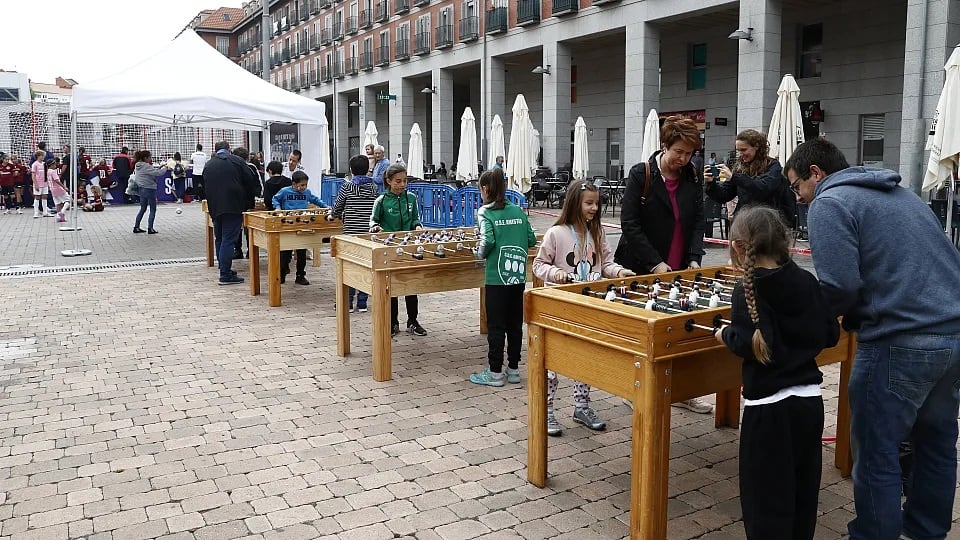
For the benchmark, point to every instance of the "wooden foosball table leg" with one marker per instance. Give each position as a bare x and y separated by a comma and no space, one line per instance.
483,310
254,251
537,395
210,242
843,458
382,347
727,411
273,268
343,314
316,257
651,451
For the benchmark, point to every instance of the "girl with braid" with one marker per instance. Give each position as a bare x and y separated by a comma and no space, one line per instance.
779,323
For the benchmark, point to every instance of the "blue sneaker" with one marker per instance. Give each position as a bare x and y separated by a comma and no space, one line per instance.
486,378
232,280
513,376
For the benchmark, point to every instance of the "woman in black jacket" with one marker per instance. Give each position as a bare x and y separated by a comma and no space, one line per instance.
756,178
662,220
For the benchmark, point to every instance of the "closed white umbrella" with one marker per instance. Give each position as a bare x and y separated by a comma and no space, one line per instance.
370,134
786,127
496,146
944,140
581,155
534,145
467,157
415,154
519,158
651,135
324,148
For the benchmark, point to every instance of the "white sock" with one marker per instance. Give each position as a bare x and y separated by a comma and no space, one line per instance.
66,206
37,206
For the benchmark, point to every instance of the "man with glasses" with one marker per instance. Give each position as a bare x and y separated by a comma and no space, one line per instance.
886,266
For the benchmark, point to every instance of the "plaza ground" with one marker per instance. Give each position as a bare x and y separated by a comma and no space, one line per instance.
147,402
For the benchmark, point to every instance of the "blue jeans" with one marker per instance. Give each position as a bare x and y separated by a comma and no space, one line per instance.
226,227
148,197
904,388
361,298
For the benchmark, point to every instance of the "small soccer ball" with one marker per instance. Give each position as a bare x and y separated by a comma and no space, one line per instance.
179,210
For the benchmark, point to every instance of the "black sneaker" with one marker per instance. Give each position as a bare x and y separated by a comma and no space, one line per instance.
394,329
302,280
138,230
237,254
415,328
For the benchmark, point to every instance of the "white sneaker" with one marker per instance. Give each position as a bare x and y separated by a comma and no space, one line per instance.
695,405
36,214
19,211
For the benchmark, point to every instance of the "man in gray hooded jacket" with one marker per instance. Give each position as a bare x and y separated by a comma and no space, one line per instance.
889,270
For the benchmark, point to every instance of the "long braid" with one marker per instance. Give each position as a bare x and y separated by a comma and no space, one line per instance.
760,349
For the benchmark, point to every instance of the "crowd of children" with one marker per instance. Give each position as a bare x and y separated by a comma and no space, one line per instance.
46,181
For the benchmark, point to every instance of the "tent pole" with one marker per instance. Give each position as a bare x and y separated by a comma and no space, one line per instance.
77,250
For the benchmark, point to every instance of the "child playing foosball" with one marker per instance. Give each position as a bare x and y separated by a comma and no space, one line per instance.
396,210
353,205
780,321
576,249
504,241
295,197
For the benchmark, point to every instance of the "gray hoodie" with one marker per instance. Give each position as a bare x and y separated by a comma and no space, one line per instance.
882,259
145,174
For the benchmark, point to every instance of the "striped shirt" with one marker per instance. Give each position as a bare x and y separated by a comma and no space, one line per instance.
354,204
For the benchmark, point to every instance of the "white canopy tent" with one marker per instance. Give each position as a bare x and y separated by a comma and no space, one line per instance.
220,94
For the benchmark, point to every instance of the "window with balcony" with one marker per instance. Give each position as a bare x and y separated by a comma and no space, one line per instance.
497,20
528,12
421,39
304,10
383,51
565,7
401,6
469,29
223,45
444,30
810,59
351,25
338,25
697,67
402,49
380,11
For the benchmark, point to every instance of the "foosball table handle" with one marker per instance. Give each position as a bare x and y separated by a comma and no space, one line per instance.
306,231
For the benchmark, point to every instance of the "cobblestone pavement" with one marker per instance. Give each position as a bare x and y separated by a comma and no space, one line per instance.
150,403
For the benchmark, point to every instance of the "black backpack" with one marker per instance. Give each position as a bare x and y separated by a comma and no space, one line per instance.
178,169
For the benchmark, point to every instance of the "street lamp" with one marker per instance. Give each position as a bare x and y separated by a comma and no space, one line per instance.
336,135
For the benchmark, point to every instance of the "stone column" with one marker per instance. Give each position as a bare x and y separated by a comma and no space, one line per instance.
759,64
341,110
641,89
444,119
492,84
937,24
401,116
368,113
555,132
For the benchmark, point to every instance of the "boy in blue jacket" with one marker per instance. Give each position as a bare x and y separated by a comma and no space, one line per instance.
295,197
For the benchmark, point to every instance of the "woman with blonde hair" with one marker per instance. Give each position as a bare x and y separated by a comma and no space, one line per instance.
755,178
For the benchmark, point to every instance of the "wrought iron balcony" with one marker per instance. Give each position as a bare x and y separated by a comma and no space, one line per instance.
314,78
383,54
366,60
324,4
402,51
351,25
497,20
444,36
337,30
381,13
285,55
314,7
565,7
304,10
401,6
469,29
421,2
421,44
528,12
326,36
315,40
338,70
326,74
366,19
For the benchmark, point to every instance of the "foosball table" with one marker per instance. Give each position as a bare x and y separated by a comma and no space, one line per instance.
281,230
211,244
385,265
648,339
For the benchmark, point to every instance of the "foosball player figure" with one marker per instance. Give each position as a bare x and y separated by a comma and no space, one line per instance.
396,210
504,241
780,321
576,248
296,196
353,206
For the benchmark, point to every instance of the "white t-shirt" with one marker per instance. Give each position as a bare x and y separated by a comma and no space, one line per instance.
199,159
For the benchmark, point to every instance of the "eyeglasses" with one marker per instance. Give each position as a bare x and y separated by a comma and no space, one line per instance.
795,186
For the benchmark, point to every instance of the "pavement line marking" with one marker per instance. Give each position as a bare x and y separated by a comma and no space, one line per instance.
19,272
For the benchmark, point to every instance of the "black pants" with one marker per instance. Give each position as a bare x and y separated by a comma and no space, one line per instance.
504,310
285,257
780,461
198,187
412,309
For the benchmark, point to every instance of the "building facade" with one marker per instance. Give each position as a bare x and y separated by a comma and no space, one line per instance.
870,72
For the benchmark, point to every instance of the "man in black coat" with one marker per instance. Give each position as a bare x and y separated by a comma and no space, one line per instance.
229,185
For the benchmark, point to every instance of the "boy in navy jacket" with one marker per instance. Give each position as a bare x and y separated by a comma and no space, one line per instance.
295,197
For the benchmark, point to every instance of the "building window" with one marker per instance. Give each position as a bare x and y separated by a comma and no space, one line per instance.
872,129
223,45
697,72
810,58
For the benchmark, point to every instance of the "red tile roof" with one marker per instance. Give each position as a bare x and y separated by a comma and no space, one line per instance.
225,18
